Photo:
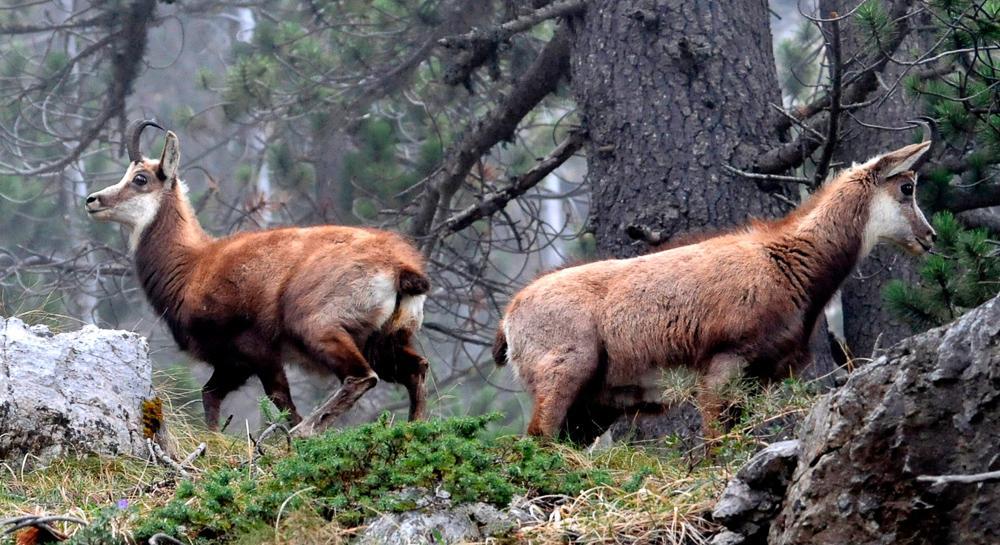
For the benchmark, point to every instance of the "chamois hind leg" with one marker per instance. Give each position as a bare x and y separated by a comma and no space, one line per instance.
223,381
722,368
337,351
414,381
395,359
558,379
275,384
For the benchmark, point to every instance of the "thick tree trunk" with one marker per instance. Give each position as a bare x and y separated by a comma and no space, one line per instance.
671,91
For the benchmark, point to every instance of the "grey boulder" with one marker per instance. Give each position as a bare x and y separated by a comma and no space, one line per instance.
71,393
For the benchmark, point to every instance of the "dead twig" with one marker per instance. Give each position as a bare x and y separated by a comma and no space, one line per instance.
769,177
963,479
158,455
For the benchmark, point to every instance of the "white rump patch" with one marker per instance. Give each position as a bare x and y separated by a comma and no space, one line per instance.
382,298
510,359
411,313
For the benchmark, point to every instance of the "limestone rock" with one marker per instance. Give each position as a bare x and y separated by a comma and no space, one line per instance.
728,538
438,522
77,392
930,406
754,495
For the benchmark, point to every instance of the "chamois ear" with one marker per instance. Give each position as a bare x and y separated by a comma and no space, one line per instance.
170,159
901,160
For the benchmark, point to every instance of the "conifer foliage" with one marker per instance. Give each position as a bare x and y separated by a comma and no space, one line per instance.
962,273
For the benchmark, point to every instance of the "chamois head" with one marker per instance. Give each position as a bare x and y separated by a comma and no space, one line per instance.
894,215
135,199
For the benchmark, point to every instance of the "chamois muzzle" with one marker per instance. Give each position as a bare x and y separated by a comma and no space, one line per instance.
132,135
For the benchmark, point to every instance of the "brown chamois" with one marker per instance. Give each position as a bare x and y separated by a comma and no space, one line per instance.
592,339
339,300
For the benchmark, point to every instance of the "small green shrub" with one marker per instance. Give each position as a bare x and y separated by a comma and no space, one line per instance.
349,475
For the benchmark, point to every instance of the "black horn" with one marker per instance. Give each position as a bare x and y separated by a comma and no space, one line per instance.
132,134
931,134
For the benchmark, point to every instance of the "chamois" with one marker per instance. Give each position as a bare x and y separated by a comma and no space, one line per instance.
339,300
592,339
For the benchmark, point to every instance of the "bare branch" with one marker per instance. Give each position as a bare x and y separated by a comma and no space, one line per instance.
859,86
767,177
963,479
516,185
960,199
539,81
505,31
794,153
980,218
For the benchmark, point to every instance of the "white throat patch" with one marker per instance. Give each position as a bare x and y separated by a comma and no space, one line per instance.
141,209
885,221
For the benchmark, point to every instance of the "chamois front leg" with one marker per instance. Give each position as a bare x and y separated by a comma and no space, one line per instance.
275,383
223,381
340,353
722,368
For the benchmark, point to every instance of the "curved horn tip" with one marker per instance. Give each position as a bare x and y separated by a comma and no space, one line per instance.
133,134
929,124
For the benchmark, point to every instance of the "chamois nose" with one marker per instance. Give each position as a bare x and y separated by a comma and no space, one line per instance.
93,203
933,236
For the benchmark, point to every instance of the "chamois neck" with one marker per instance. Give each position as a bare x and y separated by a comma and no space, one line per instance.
167,251
819,245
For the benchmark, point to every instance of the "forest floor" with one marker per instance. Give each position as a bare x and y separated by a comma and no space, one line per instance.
326,488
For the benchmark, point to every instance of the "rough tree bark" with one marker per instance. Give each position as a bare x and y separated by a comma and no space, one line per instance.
671,91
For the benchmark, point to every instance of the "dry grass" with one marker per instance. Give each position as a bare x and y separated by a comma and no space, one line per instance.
663,494
656,499
659,493
83,486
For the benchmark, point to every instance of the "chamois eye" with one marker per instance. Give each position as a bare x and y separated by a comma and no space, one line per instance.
907,189
140,180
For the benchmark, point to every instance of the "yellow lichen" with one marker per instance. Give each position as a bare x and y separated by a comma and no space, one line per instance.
152,417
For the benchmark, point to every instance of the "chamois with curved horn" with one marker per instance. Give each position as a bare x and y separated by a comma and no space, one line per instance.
340,300
593,339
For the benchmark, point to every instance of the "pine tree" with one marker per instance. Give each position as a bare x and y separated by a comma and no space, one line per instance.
963,272
960,91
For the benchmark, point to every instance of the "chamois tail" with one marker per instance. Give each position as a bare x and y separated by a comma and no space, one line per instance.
410,281
500,347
